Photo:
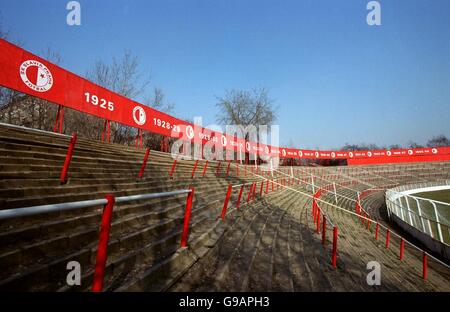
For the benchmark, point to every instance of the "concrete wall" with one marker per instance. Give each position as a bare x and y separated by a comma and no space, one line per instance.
427,240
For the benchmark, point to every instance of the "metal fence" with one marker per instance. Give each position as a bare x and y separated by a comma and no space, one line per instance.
429,216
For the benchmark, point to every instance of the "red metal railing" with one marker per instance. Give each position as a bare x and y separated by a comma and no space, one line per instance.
108,205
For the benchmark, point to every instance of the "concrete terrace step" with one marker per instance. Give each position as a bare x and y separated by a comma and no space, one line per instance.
269,244
123,239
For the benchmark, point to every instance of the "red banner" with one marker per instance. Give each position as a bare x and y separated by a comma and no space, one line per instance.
30,74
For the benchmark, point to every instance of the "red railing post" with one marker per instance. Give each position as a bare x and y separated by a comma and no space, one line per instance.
261,188
324,229
102,250
227,199
267,186
425,266
388,238
250,192
58,125
104,130
193,169
106,133
254,191
173,168
138,139
239,197
65,168
204,168
228,168
313,211
144,162
368,223
187,217
318,221
402,248
334,251
218,167
377,230
109,132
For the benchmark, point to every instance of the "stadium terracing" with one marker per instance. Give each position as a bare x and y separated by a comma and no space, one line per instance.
136,219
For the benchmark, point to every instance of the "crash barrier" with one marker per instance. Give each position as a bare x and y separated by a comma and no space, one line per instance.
317,215
427,215
108,203
317,212
252,187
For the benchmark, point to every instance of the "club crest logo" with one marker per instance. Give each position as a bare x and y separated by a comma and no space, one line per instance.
36,76
224,140
139,115
189,132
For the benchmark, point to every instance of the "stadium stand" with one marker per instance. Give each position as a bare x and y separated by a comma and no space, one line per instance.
271,243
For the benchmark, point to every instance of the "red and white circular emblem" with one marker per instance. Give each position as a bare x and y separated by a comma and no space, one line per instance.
350,154
434,150
283,152
410,152
300,153
333,154
189,132
36,76
369,154
389,153
224,140
139,115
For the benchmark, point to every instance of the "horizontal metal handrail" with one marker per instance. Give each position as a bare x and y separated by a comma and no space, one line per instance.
416,213
125,199
36,210
33,130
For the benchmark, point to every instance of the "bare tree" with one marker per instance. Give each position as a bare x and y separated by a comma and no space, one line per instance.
395,146
437,141
360,147
245,108
124,76
412,144
158,102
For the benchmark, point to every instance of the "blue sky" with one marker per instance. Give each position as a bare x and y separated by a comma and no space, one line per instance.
334,78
